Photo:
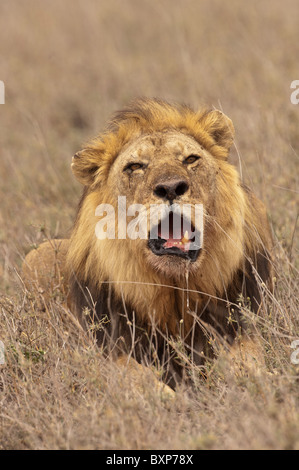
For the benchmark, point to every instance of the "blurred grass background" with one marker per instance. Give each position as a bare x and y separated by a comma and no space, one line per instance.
68,65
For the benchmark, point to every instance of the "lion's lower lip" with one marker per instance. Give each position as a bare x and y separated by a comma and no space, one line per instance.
157,246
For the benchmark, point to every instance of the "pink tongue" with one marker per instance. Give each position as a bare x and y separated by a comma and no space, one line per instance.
172,243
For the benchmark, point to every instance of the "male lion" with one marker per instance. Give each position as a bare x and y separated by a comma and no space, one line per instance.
148,292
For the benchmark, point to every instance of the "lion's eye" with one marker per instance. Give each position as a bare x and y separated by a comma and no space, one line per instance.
133,166
191,159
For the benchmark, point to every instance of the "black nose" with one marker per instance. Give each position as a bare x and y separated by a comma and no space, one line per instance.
171,189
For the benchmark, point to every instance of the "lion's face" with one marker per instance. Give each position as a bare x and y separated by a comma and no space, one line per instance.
162,157
168,169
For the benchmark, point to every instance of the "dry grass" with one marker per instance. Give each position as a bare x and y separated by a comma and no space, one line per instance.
67,66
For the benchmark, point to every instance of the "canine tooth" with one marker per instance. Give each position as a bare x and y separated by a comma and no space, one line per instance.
185,238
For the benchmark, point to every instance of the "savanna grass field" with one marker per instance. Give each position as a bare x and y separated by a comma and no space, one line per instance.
66,67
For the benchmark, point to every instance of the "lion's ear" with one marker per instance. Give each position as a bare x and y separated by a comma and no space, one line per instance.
84,167
220,127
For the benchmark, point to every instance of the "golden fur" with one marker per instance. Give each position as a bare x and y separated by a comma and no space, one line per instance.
142,296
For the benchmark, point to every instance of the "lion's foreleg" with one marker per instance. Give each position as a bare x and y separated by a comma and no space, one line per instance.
140,376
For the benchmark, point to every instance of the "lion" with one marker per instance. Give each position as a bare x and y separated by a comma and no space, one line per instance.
151,292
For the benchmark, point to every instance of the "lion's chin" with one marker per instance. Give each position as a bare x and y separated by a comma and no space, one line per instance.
170,267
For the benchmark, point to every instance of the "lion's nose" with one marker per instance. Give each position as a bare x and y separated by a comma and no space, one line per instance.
171,189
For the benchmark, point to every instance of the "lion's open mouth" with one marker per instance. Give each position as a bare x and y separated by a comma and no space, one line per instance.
172,238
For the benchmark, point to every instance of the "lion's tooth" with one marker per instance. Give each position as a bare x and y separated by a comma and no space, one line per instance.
185,238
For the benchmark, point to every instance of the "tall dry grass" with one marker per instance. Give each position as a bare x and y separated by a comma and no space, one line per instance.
67,66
